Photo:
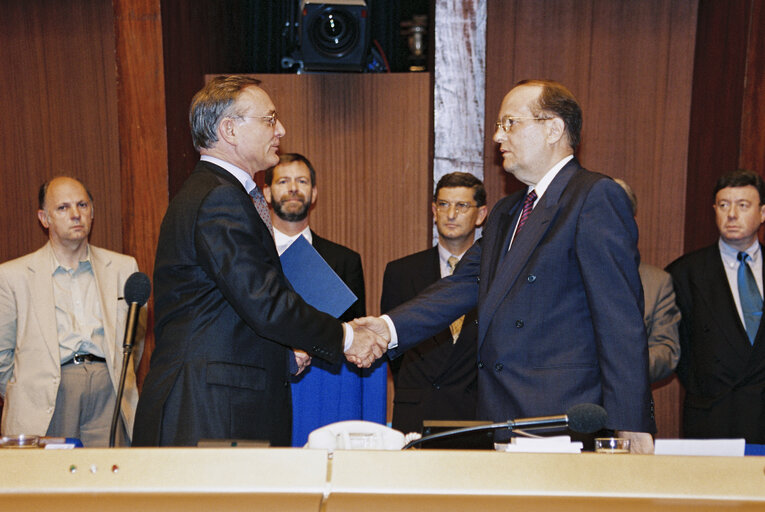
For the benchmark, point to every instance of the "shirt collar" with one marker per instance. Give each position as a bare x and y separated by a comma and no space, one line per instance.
730,254
443,254
542,185
242,176
283,241
85,263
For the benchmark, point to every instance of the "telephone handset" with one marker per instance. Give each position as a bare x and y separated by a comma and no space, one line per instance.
356,435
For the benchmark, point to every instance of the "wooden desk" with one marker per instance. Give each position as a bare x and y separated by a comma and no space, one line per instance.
171,479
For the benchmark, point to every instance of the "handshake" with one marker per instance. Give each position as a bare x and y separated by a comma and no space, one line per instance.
370,341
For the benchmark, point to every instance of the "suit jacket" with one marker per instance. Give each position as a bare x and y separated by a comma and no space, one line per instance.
662,321
560,318
328,392
437,379
226,318
30,361
723,374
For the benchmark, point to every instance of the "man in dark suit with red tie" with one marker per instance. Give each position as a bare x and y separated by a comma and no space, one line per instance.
225,316
437,379
719,292
554,277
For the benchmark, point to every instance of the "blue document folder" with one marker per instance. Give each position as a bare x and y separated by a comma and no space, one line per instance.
314,280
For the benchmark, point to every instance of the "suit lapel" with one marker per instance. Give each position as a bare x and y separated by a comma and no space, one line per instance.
42,301
509,266
107,295
716,291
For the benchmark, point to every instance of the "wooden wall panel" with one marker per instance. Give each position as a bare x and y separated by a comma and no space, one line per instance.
630,65
58,113
715,125
368,136
753,111
143,141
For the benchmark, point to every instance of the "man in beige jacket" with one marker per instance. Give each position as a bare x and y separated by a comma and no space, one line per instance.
62,322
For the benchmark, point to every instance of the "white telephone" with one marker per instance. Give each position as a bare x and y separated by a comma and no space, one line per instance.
355,435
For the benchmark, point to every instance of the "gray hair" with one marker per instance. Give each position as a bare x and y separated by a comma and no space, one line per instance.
212,103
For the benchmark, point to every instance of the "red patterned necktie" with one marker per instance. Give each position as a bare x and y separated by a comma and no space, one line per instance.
260,204
528,205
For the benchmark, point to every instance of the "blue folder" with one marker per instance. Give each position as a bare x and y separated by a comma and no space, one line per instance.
314,280
325,393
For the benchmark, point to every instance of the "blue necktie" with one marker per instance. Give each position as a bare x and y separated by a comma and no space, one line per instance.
749,294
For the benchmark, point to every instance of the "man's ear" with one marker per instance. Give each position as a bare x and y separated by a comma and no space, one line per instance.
43,218
314,194
556,129
483,211
227,130
267,193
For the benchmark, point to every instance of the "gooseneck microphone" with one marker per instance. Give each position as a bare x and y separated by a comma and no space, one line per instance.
137,291
582,418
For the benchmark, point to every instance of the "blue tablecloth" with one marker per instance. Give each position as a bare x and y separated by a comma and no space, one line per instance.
325,393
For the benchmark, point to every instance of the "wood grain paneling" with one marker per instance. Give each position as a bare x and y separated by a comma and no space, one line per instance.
368,136
58,113
143,141
630,65
753,111
715,125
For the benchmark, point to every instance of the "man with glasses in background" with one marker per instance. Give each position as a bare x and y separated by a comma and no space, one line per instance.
225,315
555,279
436,380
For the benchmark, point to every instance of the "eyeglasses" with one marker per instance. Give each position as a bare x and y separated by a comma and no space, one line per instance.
507,122
269,119
462,208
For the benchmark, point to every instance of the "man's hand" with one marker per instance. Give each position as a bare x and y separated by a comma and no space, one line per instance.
640,442
302,359
367,346
376,324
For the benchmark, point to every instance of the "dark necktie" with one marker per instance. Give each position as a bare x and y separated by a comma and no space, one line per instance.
456,326
260,204
528,205
749,294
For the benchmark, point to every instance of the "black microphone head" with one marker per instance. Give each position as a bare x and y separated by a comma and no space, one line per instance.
586,418
137,288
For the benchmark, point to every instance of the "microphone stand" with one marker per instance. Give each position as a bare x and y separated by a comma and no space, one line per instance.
127,349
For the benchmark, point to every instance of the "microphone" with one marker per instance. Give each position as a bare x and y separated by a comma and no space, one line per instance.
581,418
137,291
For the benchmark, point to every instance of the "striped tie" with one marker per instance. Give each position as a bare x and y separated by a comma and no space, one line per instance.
260,204
456,326
528,205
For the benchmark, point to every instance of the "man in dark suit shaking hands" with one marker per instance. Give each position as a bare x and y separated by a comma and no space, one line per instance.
225,315
719,292
555,278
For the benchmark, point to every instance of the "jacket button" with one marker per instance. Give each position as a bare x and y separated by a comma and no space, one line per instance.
436,386
519,323
498,367
531,278
478,279
480,365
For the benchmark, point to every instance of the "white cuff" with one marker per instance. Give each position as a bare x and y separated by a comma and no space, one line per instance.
393,343
347,336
